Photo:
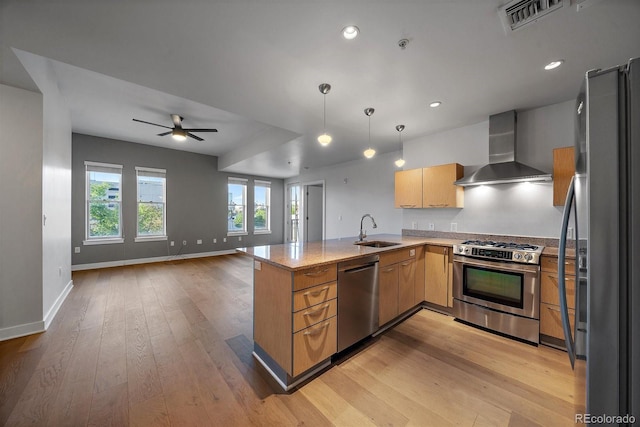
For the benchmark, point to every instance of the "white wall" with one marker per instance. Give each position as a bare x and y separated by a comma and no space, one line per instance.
512,209
56,186
368,188
20,212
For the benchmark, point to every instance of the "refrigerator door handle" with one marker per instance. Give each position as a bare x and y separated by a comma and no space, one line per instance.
562,289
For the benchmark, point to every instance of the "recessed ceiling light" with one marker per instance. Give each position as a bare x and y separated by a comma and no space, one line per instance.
435,104
554,64
350,32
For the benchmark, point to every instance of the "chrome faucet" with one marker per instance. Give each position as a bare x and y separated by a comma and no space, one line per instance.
363,234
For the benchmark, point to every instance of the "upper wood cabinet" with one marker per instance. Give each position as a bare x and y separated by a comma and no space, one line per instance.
563,170
438,190
408,188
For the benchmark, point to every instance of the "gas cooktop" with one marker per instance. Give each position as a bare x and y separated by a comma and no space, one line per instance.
505,251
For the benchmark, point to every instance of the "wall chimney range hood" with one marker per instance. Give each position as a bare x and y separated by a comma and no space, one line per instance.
503,168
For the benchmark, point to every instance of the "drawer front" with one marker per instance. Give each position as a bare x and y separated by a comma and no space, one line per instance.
549,289
312,315
550,263
314,276
551,321
314,344
393,257
318,294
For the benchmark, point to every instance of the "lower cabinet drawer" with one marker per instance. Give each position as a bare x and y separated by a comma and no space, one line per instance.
551,320
315,295
549,289
314,344
312,315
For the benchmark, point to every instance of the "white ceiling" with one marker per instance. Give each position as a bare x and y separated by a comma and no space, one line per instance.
252,68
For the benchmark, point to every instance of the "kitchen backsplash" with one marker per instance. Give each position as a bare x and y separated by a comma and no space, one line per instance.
542,241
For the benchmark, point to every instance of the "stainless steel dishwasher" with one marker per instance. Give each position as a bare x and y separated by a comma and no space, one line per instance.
357,300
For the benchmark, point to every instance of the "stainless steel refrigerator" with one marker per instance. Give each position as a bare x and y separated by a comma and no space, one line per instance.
603,205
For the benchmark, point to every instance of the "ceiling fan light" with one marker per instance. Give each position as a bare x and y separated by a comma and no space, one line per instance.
325,139
400,162
369,153
179,135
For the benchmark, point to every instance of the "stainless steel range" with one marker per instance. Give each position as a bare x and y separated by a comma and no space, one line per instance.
496,285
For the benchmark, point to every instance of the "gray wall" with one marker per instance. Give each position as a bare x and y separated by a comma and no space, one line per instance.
20,212
196,202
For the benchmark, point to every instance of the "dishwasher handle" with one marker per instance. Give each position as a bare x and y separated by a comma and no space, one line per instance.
357,268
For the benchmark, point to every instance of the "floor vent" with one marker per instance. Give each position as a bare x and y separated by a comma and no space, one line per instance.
518,13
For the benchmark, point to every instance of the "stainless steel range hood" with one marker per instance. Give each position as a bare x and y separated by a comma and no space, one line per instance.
503,167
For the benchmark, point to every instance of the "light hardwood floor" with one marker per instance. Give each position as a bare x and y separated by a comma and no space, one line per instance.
170,344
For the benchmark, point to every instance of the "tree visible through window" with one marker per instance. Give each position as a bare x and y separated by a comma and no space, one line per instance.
262,202
151,202
237,203
104,201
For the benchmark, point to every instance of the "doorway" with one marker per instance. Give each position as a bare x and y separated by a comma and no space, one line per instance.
305,208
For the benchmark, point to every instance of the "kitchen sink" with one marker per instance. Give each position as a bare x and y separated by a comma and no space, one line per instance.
376,244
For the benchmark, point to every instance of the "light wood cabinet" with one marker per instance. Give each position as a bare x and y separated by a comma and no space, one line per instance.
396,283
408,188
438,275
563,170
550,317
438,190
418,285
295,319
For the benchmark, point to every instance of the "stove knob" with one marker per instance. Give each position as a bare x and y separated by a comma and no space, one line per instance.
517,256
467,251
528,257
461,249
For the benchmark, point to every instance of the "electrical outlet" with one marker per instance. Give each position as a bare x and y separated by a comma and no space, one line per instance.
224,239
199,242
570,233
239,238
432,226
215,240
454,226
414,225
76,249
184,243
172,243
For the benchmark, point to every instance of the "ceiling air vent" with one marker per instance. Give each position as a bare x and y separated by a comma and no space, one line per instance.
518,13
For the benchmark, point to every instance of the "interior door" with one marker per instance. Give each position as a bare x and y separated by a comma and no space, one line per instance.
314,212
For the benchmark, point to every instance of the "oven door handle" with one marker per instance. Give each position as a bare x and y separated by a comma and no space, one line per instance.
562,288
511,267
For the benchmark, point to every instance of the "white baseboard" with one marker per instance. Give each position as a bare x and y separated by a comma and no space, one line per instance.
48,318
120,263
21,330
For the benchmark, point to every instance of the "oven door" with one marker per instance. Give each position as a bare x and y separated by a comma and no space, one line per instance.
505,286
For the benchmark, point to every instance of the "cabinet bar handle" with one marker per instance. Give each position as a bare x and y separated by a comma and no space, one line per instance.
407,206
404,264
388,270
553,309
316,273
316,311
316,293
316,331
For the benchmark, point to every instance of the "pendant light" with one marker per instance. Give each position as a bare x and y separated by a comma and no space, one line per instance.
400,162
325,138
369,152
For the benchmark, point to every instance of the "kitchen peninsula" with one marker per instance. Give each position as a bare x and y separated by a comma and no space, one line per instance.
296,297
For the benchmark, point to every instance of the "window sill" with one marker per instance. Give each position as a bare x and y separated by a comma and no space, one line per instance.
262,232
102,241
150,239
237,233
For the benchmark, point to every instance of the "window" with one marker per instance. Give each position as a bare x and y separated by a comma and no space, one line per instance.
262,207
152,204
103,203
236,220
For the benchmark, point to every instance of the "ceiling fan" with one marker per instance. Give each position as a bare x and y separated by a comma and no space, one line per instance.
177,132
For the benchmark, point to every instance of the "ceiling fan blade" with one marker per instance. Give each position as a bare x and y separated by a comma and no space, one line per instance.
197,138
177,120
149,123
200,130
165,133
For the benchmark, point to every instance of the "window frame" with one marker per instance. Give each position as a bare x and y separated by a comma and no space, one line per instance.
158,173
89,167
267,185
244,182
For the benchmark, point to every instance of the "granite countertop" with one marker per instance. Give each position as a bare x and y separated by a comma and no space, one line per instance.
296,256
